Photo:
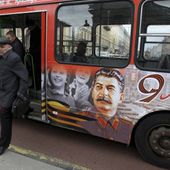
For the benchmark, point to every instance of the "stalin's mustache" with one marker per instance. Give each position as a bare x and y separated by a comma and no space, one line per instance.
104,99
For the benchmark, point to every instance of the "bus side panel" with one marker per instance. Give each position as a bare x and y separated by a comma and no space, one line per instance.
142,91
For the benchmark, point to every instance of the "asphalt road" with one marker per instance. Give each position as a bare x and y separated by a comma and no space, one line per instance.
73,147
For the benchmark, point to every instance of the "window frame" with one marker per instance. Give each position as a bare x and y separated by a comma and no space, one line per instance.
101,58
140,35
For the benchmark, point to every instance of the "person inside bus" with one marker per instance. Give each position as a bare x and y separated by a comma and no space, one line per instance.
80,56
33,46
107,93
13,88
164,62
17,45
57,86
79,88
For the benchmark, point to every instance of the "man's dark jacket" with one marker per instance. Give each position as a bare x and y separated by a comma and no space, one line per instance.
13,78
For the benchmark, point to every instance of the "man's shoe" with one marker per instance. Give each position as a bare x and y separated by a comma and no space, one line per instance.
2,150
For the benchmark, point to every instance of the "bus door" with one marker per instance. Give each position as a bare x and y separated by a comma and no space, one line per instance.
30,30
35,45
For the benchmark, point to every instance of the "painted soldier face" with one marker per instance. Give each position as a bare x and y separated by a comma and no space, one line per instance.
106,95
58,77
82,76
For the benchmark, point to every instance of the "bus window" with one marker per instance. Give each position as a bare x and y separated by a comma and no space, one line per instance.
154,36
99,35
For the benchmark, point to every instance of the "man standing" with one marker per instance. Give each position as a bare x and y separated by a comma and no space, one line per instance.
16,44
13,88
107,93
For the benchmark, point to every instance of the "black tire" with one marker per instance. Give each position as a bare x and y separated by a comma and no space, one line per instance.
152,139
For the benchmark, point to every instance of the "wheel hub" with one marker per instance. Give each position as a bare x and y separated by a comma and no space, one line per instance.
160,141
165,143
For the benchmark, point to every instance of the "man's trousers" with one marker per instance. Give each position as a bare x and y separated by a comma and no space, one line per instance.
6,126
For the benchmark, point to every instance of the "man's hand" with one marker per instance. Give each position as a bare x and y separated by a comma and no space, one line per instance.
17,102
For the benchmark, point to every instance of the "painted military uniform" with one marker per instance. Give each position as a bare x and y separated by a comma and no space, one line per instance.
116,128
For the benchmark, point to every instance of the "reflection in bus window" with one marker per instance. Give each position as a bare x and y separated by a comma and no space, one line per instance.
113,42
154,40
105,31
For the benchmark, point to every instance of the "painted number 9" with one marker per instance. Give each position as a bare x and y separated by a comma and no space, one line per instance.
154,91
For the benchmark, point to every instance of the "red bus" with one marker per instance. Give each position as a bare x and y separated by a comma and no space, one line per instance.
100,67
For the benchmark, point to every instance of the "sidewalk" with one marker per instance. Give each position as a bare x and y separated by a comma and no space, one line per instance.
14,161
16,158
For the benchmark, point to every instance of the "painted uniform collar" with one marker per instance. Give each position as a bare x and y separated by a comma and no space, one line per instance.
103,122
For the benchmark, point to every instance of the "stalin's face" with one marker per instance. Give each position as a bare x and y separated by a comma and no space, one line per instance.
106,95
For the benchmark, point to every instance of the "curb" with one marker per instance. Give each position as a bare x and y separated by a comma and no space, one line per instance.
46,159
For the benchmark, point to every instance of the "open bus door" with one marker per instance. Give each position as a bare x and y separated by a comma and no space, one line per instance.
30,29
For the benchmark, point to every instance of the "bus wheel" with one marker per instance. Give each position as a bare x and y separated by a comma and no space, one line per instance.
152,139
